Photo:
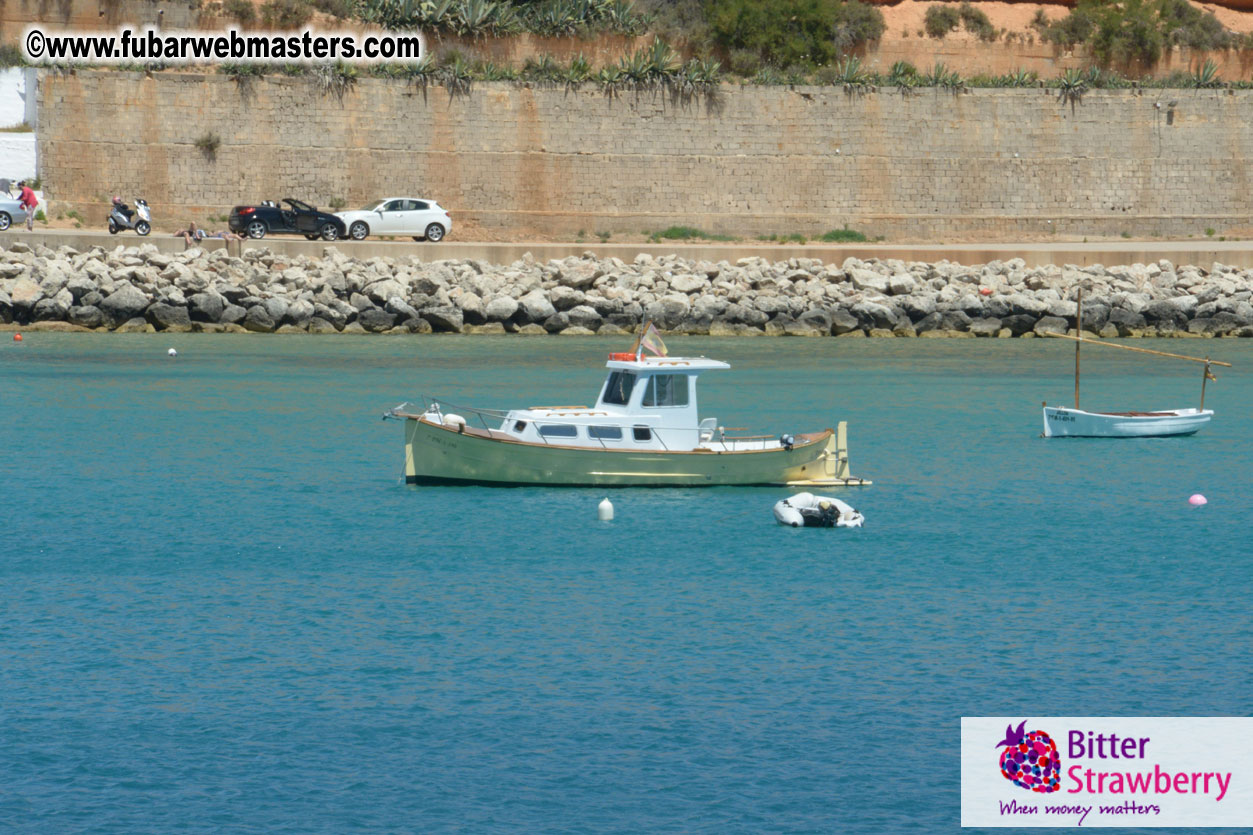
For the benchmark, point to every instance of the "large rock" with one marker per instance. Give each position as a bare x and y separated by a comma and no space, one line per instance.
500,309
534,307
80,286
1050,324
584,317
902,284
276,307
843,322
985,327
168,317
874,315
1019,323
206,307
50,310
232,314
472,308
686,283
86,316
124,304
1165,315
299,313
564,298
668,312
868,280
376,320
447,319
258,320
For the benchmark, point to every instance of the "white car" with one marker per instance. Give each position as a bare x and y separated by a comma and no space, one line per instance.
398,216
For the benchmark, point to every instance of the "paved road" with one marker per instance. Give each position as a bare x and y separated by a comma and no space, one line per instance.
1201,252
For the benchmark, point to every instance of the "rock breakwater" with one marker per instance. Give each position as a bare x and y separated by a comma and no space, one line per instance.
141,289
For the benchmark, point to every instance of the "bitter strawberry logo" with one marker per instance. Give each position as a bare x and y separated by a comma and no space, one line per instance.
1030,760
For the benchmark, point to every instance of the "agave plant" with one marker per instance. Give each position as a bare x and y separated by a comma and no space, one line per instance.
695,77
943,78
663,61
1021,78
554,18
543,71
610,79
1071,87
491,71
1207,76
577,72
769,76
853,78
457,74
334,79
902,71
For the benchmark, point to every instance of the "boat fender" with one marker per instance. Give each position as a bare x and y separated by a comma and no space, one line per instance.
788,442
455,420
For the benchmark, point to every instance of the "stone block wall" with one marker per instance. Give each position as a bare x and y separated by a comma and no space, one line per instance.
513,160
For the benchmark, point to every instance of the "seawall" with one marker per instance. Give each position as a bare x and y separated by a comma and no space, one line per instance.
516,160
141,288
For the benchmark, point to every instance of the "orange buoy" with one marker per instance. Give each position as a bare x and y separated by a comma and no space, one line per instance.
622,356
17,337
985,291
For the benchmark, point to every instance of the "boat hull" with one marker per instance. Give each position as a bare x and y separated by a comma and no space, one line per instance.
1061,422
438,454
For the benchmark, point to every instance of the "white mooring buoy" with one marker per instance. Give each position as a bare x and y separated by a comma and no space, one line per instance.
172,353
604,510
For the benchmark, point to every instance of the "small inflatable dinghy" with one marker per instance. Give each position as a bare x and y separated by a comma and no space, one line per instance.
810,511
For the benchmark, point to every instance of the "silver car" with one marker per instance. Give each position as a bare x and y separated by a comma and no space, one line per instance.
11,211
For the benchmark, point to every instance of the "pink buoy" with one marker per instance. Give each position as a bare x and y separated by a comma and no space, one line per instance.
1196,500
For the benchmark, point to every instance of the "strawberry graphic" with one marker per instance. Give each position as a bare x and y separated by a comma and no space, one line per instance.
1030,760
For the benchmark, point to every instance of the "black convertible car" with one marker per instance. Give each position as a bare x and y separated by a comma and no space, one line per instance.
293,217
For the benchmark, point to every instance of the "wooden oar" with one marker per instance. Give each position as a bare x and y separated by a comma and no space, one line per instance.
1138,350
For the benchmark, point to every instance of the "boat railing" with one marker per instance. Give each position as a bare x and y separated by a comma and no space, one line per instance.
439,408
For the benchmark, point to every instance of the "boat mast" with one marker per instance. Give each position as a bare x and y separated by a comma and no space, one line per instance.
1079,332
1079,340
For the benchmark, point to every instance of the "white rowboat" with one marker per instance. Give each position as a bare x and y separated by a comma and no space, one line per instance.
1064,422
1061,422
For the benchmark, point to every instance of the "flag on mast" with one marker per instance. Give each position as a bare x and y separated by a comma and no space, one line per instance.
650,341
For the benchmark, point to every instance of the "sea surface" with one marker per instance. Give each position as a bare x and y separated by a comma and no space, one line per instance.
224,611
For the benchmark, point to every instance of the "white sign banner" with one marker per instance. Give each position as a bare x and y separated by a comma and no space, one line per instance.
1106,771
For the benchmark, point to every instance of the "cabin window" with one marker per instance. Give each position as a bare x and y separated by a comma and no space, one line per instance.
519,426
605,433
618,388
559,430
666,390
642,433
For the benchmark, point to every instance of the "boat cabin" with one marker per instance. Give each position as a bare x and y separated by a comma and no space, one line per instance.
646,403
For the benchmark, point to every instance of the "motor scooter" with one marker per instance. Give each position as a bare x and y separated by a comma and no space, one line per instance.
141,221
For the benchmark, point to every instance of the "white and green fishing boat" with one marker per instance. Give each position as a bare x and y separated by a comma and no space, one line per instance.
643,431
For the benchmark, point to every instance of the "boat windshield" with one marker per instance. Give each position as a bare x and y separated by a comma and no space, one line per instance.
618,388
666,390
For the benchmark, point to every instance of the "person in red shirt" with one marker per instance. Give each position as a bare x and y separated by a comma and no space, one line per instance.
26,198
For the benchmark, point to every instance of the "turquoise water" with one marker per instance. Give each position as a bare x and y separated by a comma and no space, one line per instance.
224,611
